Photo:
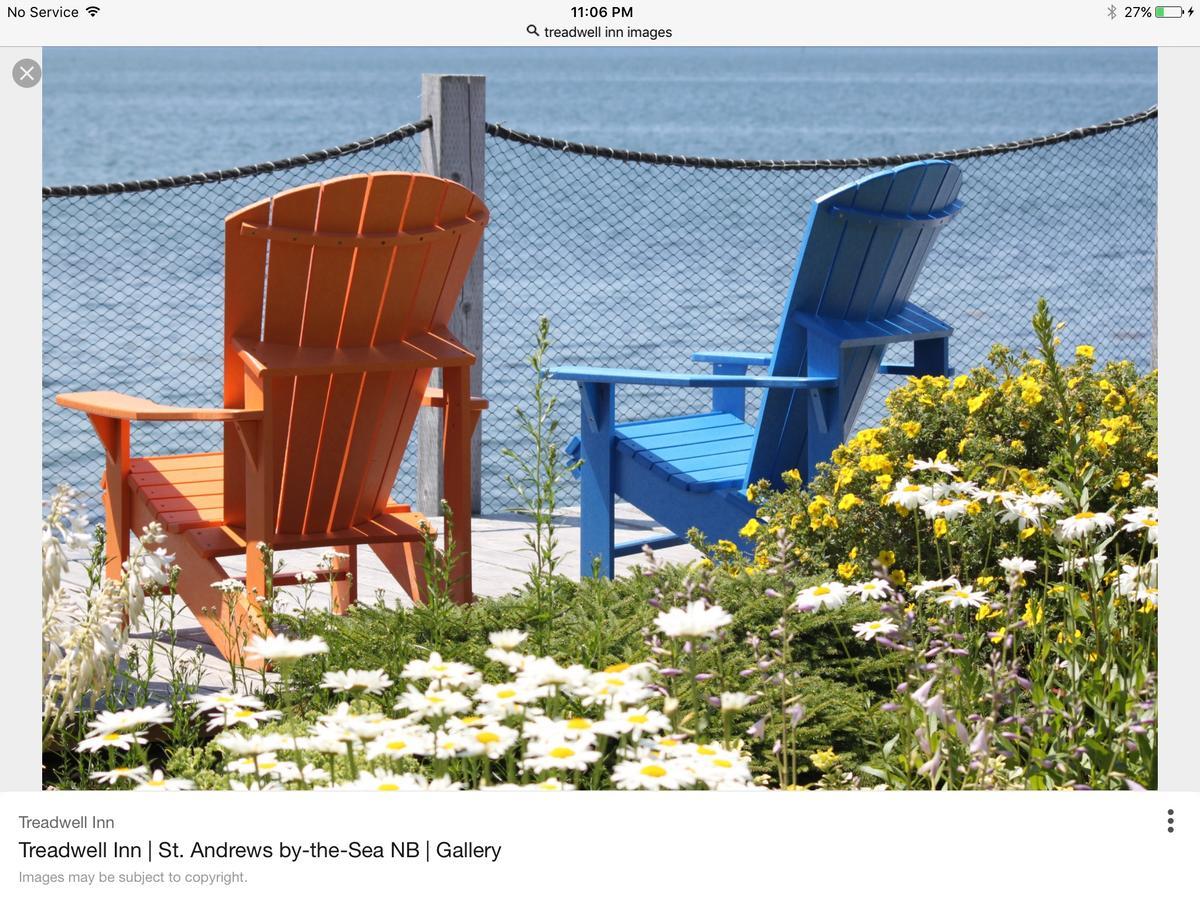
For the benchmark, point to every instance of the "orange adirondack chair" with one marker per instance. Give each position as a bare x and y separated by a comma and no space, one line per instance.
330,342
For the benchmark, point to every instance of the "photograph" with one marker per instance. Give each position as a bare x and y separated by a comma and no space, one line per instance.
599,418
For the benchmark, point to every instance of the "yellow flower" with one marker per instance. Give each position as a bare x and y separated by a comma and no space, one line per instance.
1030,617
829,521
910,429
791,476
818,505
999,635
883,482
1017,444
1085,351
985,580
846,570
824,759
849,501
974,508
876,462
887,558
751,493
898,575
854,553
974,404
1121,482
962,445
1026,533
727,547
750,529
844,477
960,382
940,528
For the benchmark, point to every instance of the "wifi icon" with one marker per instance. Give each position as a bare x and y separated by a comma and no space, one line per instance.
92,10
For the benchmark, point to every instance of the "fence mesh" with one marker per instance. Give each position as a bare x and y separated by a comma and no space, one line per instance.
638,260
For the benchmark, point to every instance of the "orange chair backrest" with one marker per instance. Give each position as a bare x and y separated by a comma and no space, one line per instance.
353,262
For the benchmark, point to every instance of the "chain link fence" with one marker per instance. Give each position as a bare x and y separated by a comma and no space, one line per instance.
637,259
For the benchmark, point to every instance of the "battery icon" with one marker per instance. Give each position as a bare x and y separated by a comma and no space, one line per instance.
1168,12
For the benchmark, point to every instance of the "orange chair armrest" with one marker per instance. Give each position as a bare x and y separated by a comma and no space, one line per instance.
434,396
113,405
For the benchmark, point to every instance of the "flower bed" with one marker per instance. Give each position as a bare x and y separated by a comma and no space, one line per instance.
964,597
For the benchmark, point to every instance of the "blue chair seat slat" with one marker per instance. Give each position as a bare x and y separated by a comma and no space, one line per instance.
740,444
677,424
663,441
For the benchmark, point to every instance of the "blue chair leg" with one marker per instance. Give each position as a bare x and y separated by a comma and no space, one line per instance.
596,479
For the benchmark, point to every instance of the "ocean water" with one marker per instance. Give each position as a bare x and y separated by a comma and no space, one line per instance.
636,265
111,114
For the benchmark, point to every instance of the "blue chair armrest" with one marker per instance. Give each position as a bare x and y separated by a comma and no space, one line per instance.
687,379
732,358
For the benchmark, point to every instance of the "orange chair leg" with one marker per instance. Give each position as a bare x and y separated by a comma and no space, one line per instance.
228,624
404,561
343,588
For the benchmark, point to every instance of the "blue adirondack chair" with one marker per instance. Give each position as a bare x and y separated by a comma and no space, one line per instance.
863,248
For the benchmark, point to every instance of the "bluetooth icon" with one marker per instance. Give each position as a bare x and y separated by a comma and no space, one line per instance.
1112,12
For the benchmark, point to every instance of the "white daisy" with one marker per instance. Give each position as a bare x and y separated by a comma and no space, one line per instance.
159,782
506,699
433,702
118,740
508,639
1022,510
225,700
573,756
1015,569
489,740
442,673
735,701
945,508
608,690
714,765
576,728
225,718
112,776
125,719
239,743
400,743
634,722
936,465
908,495
697,619
868,631
925,587
874,589
367,681
652,775
1083,523
1143,518
829,595
1150,482
280,647
1017,565
963,597
1048,500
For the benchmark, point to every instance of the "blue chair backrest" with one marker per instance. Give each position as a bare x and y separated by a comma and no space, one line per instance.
863,248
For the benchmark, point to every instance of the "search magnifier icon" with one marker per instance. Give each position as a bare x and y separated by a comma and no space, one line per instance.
532,29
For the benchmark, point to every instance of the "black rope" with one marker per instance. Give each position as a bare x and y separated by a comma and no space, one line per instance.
304,159
870,162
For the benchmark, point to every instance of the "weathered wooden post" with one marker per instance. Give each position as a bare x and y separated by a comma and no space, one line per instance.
453,148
